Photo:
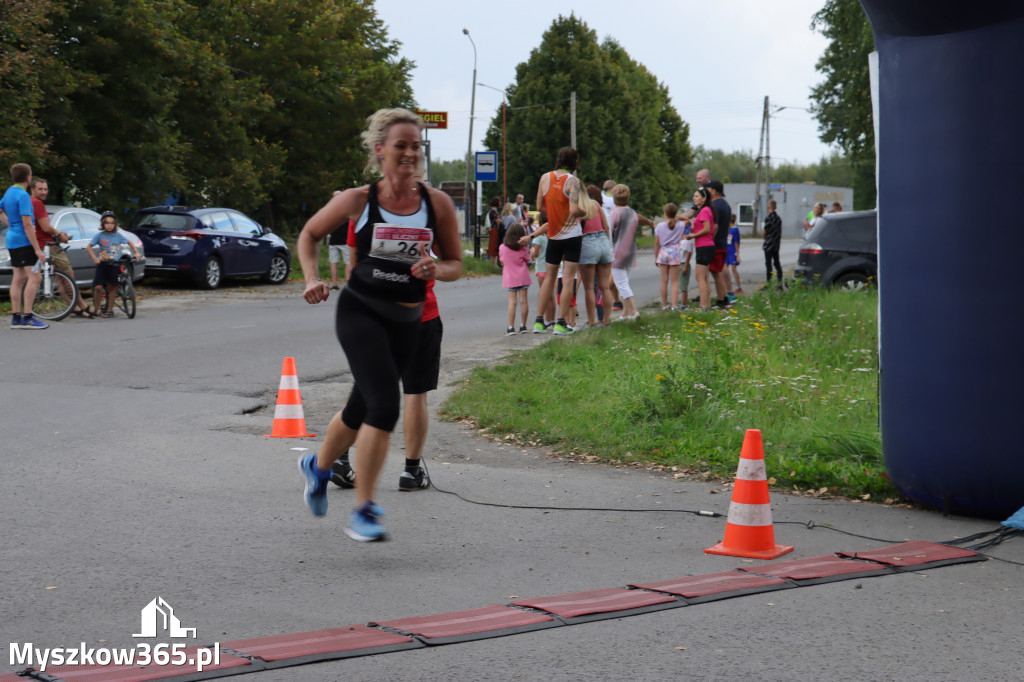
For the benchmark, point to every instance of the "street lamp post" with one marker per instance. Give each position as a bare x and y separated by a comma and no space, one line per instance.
469,156
504,154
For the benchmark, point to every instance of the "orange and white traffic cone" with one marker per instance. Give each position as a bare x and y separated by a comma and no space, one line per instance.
289,421
749,532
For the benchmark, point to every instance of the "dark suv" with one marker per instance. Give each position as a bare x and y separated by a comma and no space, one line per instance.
841,251
209,245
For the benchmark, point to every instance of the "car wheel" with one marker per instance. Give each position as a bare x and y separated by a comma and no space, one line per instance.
853,281
212,273
279,269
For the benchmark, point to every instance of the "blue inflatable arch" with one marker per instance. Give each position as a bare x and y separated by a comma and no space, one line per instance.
951,238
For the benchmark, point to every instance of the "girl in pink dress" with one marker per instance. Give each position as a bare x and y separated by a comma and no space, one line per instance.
515,276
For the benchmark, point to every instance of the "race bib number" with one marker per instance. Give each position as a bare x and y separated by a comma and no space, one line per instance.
400,243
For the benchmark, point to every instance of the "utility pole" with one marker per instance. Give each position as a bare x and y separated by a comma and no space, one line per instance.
469,156
426,151
572,112
767,148
760,158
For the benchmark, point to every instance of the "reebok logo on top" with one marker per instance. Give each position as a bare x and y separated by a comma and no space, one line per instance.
390,276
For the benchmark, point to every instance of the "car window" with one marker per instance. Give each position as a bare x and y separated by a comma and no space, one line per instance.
67,223
162,221
90,224
245,224
221,221
860,230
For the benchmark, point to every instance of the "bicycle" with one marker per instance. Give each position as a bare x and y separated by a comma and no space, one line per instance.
124,298
126,289
57,293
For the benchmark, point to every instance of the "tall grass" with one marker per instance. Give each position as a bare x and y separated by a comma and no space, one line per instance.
681,390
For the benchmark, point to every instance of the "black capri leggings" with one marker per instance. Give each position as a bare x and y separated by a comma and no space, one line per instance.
378,339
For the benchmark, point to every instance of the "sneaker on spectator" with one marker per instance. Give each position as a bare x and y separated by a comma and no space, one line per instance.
523,329
539,328
315,492
511,331
563,329
411,481
16,321
32,323
342,474
364,524
617,305
731,298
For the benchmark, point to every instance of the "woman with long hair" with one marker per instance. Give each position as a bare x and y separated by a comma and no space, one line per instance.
596,258
704,243
398,222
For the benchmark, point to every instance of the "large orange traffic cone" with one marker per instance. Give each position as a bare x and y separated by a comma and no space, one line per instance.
289,421
749,531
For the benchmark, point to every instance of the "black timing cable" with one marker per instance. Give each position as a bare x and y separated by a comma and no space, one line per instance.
986,539
695,512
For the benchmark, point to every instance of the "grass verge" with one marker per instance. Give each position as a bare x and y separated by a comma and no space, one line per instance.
680,390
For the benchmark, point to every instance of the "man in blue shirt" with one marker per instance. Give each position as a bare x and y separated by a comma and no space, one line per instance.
23,248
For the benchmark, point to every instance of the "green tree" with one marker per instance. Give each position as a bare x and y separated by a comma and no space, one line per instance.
627,129
122,103
724,166
843,100
25,53
108,99
447,171
325,65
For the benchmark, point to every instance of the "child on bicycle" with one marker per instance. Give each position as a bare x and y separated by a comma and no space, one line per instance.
108,263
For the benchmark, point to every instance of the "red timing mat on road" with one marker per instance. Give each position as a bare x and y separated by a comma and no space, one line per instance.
698,589
820,569
916,555
278,651
464,626
612,602
333,643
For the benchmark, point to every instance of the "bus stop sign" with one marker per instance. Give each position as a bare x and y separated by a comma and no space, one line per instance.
487,166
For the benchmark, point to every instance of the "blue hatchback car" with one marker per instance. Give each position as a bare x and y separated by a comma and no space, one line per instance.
208,245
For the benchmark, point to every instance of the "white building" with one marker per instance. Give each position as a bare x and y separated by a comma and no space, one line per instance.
795,201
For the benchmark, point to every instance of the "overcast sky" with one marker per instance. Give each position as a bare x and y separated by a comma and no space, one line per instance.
743,49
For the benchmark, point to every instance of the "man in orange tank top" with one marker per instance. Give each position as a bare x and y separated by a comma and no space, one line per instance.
557,196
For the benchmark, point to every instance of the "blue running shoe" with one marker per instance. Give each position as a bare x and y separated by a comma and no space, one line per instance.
32,323
364,524
315,493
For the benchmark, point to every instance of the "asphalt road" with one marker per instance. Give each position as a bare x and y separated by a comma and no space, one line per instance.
133,467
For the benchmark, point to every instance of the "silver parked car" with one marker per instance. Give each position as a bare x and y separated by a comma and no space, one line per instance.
80,224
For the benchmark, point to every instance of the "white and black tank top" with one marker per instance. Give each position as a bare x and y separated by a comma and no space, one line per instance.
386,250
